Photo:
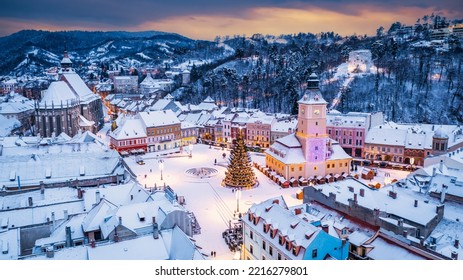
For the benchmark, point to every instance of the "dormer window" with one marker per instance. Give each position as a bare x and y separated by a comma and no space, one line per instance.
281,240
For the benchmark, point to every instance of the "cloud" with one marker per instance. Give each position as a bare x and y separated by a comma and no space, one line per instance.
136,14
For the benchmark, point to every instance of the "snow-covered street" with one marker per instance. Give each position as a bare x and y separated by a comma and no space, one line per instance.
213,205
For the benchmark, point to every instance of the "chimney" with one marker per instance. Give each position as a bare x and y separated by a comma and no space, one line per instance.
351,189
362,192
405,233
30,201
325,228
66,214
441,165
68,236
443,193
155,230
400,223
355,197
50,252
416,203
120,220
433,172
393,194
454,255
42,188
97,196
297,211
79,193
53,222
456,242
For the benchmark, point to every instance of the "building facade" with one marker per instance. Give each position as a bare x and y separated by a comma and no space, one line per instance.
309,152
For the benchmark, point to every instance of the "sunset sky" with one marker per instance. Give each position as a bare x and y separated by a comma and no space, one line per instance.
205,19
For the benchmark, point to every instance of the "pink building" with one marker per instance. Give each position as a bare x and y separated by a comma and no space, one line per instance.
350,129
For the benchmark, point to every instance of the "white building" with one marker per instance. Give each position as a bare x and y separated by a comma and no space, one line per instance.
360,61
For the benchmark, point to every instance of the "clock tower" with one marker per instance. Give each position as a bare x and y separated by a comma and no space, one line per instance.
311,128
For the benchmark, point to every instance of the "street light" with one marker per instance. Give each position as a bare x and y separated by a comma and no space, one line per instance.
161,166
238,196
191,149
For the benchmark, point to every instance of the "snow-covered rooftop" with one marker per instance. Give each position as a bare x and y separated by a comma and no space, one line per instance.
158,118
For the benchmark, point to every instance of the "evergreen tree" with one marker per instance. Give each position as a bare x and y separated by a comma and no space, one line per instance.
239,173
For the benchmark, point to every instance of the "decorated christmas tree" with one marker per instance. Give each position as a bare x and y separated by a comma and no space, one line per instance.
239,173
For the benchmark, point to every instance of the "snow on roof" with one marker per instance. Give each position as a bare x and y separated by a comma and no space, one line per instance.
97,215
346,120
386,136
8,125
287,150
32,167
142,248
162,104
16,107
402,206
267,120
290,225
384,250
9,240
358,238
83,122
158,118
130,128
289,141
80,88
180,246
59,235
284,125
58,93
337,152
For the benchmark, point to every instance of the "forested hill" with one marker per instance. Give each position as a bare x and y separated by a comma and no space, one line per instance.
413,79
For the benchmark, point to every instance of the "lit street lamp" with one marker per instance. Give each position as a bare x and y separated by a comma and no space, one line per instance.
238,196
161,166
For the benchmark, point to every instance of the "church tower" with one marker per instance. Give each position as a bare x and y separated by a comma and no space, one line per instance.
311,128
66,63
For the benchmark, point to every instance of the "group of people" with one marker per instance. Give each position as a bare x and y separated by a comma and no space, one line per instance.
213,254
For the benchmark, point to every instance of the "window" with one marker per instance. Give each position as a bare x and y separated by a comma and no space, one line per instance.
279,256
292,169
251,234
314,253
316,123
264,245
251,249
281,240
263,257
295,250
300,168
327,166
288,245
270,250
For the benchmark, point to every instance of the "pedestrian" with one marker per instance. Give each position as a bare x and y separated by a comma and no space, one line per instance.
215,254
212,253
150,169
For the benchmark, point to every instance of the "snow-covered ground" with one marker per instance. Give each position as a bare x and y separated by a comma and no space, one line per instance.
213,205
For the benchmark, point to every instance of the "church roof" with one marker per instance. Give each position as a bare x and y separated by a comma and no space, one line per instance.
58,93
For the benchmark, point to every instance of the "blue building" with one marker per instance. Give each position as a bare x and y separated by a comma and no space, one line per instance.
273,231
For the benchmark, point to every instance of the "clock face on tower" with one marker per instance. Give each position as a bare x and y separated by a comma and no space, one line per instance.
316,112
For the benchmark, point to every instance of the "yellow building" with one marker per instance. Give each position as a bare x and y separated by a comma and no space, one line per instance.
309,152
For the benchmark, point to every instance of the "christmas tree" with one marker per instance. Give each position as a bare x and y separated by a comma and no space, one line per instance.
239,173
